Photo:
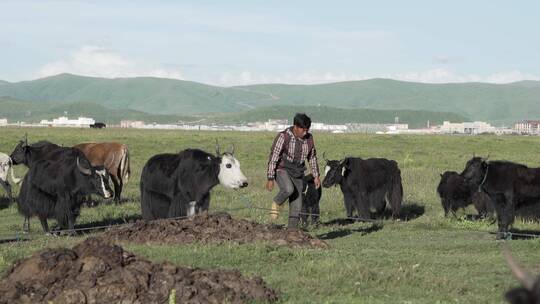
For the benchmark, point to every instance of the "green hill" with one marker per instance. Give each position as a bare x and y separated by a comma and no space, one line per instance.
19,110
329,115
495,103
147,94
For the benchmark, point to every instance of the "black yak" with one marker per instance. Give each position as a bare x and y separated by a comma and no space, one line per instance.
310,201
367,185
174,185
510,186
53,189
455,193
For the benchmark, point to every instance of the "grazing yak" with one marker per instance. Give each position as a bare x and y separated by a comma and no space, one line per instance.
98,125
5,166
114,157
367,185
31,154
529,292
455,193
53,188
310,201
174,185
510,186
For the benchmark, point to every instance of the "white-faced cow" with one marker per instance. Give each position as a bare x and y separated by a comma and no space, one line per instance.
54,188
529,292
367,185
510,186
114,157
174,185
5,166
455,193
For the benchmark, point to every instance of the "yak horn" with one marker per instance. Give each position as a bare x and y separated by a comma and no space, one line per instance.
324,156
232,149
84,171
525,278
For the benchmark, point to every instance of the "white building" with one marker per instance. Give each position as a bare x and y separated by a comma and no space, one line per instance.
329,128
527,127
476,127
131,124
3,121
63,121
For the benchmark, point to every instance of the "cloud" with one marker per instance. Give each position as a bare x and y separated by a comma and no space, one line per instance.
447,59
427,76
101,62
445,76
98,61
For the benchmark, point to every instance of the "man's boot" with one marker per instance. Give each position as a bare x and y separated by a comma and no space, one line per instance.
293,222
274,210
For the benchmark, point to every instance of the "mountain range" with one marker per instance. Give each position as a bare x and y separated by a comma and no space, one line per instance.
169,99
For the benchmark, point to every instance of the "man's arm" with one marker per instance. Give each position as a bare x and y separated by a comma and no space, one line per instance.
275,153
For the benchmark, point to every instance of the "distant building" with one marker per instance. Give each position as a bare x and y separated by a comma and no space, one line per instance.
396,128
505,131
527,127
330,128
476,127
366,128
3,121
63,121
131,124
275,125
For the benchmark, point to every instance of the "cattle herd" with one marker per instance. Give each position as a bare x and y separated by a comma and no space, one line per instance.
59,180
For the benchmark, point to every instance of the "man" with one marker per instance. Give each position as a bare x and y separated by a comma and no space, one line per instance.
286,165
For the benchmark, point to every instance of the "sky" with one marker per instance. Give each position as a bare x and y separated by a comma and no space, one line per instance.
230,43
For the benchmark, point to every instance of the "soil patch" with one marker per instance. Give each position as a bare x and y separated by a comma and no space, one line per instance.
211,228
96,271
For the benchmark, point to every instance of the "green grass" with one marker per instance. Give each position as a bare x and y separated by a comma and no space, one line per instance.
430,259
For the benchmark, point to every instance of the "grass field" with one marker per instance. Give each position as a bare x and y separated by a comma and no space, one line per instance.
428,259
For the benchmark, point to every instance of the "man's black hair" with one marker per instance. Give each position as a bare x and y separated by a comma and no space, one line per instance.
301,120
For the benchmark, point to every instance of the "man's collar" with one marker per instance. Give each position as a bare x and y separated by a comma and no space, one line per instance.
290,131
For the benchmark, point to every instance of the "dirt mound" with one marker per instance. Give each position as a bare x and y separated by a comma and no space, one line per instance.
211,228
97,272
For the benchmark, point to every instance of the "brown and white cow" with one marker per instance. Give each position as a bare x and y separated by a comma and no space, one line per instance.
114,157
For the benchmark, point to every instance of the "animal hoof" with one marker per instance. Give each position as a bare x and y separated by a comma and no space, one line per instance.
504,236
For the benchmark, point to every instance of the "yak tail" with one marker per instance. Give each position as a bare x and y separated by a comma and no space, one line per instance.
13,178
125,169
396,194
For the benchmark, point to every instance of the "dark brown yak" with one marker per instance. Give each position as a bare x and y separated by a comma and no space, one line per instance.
114,157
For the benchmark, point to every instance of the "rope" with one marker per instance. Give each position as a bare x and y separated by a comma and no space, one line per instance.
484,179
22,236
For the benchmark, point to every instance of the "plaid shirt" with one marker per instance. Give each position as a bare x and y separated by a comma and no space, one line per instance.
291,153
